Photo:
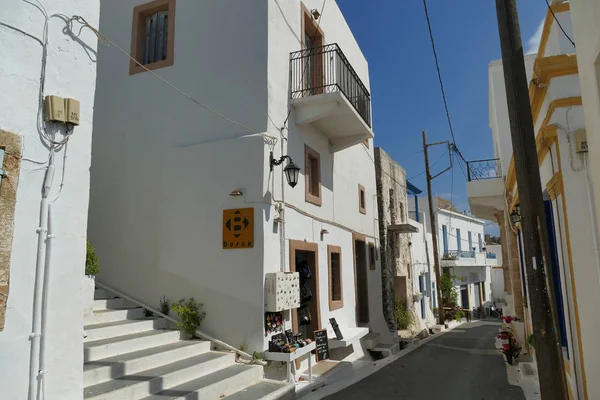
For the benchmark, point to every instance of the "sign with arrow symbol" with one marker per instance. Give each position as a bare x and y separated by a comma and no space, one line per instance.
238,228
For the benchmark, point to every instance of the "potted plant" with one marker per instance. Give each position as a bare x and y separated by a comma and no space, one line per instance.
190,316
89,280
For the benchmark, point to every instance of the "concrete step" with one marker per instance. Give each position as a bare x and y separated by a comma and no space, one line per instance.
214,386
114,303
266,390
104,348
387,349
96,372
148,382
527,370
102,316
371,340
119,328
103,294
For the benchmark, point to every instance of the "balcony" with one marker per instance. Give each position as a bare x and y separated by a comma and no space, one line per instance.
328,94
468,258
485,188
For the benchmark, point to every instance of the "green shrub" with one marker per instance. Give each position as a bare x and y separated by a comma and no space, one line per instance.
449,294
531,341
91,260
190,315
403,315
164,305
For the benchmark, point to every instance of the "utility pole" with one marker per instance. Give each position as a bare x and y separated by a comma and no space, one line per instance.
436,259
541,294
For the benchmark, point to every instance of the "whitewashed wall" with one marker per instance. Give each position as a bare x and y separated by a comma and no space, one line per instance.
585,15
71,72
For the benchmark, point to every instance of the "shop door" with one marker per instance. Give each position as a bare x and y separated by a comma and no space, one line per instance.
362,284
464,296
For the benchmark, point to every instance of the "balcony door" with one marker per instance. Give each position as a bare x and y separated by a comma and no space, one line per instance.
312,42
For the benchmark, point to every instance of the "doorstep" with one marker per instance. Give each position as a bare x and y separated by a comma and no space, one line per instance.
321,371
351,335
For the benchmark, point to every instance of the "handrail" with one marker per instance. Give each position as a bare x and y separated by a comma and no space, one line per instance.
169,318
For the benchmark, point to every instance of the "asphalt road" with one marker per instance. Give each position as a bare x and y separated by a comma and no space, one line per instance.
461,364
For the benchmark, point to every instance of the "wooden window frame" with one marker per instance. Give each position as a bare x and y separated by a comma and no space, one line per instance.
138,35
372,256
362,198
312,28
335,304
309,197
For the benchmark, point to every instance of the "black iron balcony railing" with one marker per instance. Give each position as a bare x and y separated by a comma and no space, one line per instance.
326,69
484,169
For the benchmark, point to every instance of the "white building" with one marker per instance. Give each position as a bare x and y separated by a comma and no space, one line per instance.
41,271
166,169
462,252
560,127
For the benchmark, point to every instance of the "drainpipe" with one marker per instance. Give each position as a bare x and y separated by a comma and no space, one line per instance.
42,231
282,217
43,338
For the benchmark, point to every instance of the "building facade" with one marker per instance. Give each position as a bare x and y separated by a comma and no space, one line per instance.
165,181
560,129
462,253
44,197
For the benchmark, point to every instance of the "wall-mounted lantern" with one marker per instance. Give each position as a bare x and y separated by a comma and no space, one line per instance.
516,214
291,170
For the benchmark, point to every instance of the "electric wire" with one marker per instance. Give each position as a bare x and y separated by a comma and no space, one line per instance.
432,165
559,25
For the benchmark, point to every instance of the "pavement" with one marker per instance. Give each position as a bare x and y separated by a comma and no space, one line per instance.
458,364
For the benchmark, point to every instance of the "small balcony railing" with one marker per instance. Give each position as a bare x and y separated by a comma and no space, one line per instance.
484,169
326,69
491,256
455,255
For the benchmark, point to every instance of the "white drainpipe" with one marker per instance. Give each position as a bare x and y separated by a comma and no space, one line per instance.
38,300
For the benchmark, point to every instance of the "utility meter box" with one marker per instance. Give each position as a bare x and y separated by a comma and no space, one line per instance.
581,141
54,108
283,291
72,108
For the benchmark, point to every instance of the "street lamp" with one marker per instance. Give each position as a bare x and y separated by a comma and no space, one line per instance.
291,170
516,214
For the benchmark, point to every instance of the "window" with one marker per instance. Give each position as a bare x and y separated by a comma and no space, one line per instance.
458,246
335,277
153,35
371,256
362,200
470,241
480,243
312,174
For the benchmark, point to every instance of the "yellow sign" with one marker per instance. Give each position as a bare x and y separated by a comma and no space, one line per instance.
238,228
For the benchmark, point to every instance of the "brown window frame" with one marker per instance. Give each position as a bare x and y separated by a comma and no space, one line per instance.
311,197
372,256
366,143
362,199
333,303
138,35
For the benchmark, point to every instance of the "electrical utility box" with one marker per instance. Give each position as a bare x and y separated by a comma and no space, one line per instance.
283,291
72,109
581,141
54,108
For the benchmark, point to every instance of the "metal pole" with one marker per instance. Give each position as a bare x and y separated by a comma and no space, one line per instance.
434,230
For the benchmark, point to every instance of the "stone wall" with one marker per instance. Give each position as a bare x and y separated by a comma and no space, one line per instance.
394,248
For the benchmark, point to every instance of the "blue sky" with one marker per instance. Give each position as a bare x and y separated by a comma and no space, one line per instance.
404,85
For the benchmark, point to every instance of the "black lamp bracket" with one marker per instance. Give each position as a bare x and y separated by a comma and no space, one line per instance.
273,161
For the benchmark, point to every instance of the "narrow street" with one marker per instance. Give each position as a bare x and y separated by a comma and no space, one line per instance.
460,364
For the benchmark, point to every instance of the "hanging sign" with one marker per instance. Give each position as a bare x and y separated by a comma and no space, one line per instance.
238,228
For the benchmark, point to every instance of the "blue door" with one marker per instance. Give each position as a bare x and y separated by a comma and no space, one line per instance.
445,238
556,274
422,296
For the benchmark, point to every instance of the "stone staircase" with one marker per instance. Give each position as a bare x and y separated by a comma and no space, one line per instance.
130,356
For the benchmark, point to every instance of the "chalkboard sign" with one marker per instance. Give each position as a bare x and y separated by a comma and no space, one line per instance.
322,345
336,329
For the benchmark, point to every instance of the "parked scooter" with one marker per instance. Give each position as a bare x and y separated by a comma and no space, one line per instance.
507,342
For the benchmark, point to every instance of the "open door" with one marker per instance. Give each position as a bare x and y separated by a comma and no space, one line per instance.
362,283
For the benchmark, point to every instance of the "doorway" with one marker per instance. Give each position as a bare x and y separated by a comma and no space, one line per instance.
362,283
464,297
304,259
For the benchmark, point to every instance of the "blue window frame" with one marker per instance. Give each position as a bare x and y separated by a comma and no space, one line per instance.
445,238
458,246
470,241
480,243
